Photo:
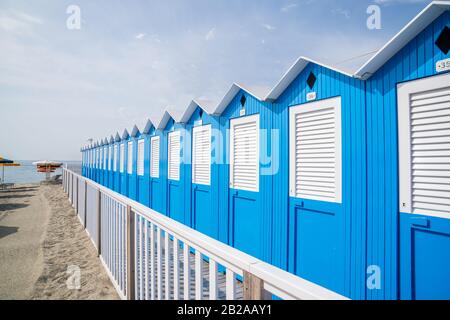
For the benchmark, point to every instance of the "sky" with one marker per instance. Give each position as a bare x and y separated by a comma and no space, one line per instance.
131,60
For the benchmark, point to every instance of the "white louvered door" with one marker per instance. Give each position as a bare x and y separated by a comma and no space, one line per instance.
424,146
244,153
154,163
109,157
115,159
105,158
174,156
315,151
122,158
201,155
140,158
130,158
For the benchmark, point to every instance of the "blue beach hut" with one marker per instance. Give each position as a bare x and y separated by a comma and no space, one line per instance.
143,164
245,172
102,162
96,161
109,163
202,145
408,149
117,163
123,163
320,113
175,153
132,161
158,166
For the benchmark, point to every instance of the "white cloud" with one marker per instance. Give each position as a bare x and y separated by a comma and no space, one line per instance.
288,7
343,12
211,35
17,22
269,27
140,36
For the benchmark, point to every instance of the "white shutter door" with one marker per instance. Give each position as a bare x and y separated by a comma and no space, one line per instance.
140,164
201,155
105,158
154,165
427,103
174,156
109,157
115,159
315,150
122,158
130,158
244,153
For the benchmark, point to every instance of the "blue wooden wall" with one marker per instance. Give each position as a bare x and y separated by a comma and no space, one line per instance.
339,234
202,202
367,228
243,209
416,60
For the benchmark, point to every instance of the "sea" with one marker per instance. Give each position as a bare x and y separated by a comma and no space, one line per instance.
27,172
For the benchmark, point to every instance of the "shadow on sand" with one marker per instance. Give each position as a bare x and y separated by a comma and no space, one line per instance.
15,196
19,189
6,231
12,206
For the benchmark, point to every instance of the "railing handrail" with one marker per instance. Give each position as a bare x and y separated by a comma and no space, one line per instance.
275,279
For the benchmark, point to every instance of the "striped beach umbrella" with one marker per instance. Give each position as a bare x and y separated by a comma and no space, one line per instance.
6,163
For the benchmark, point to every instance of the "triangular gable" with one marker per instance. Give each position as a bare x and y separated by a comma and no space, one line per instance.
125,134
258,92
293,72
206,105
135,132
148,127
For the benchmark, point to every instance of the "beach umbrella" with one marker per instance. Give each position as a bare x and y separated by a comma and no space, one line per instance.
6,163
47,167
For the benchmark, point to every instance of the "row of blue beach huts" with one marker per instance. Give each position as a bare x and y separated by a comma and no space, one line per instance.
342,179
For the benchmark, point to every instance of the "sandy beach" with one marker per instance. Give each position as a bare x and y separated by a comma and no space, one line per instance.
42,243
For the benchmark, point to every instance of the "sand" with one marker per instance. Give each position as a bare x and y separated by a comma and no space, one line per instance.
42,243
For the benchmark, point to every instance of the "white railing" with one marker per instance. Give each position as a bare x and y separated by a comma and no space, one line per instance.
149,256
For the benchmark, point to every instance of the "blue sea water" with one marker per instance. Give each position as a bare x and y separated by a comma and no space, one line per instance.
27,172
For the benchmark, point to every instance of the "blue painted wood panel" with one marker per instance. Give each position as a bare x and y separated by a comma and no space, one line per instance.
203,205
332,234
158,185
416,60
237,207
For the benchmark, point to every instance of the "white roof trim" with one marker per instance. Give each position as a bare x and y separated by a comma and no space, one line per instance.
257,92
205,105
401,39
299,65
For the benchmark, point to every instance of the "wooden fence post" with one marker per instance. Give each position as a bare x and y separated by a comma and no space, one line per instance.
130,254
254,288
99,223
